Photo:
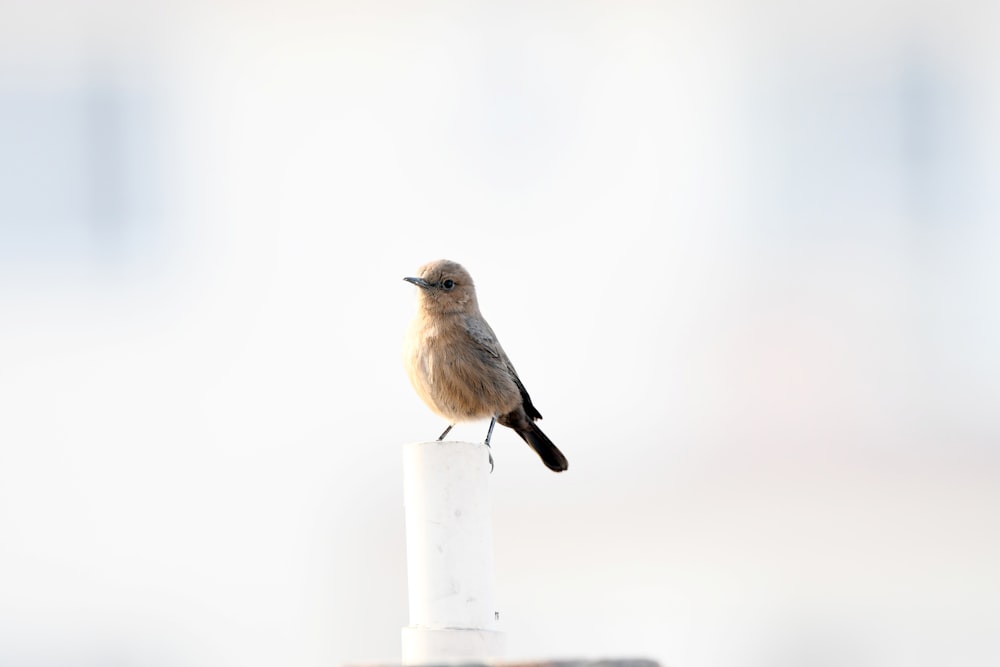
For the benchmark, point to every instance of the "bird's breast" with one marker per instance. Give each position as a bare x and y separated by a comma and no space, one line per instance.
455,378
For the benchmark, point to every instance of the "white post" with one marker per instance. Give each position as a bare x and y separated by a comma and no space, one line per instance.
449,555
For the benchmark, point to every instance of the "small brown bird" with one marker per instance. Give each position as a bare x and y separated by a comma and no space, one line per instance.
459,369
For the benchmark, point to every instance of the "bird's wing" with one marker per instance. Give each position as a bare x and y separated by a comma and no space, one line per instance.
484,338
529,407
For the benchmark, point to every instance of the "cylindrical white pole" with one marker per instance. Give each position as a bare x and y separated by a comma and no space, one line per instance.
449,555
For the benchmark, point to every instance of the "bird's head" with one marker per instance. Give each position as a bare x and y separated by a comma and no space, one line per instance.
444,286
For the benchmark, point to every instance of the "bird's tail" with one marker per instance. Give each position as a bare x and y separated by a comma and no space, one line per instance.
549,453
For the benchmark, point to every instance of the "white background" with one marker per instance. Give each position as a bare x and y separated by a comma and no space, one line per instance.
745,258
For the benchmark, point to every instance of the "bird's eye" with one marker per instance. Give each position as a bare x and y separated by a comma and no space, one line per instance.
448,284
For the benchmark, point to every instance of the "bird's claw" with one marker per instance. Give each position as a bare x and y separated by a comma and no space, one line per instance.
490,454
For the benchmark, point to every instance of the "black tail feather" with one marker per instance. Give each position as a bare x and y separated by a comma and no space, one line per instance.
548,452
520,423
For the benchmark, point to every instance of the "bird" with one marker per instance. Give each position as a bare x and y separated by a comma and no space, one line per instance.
457,366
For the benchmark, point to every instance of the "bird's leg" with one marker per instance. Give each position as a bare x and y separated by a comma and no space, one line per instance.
489,434
446,432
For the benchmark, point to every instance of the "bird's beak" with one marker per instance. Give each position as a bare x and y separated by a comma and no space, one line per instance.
419,282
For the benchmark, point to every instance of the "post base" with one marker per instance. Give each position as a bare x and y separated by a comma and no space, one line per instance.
443,646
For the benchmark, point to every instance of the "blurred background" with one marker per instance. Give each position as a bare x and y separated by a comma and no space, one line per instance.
744,255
